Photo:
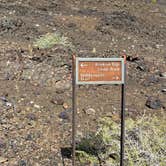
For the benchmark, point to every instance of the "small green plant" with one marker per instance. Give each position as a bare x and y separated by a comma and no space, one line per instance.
91,147
144,145
154,1
96,148
51,39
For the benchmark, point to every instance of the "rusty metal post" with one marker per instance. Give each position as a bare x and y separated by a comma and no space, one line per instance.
122,139
74,110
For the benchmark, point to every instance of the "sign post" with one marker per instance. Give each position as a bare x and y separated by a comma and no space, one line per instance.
99,71
74,110
122,141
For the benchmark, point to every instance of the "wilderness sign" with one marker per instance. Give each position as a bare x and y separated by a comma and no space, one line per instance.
98,71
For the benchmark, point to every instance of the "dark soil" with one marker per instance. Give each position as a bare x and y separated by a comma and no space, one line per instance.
35,87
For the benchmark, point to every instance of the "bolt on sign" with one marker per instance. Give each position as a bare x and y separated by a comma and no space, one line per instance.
99,70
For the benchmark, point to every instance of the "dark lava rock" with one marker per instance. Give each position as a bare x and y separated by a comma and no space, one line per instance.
72,25
153,79
163,88
57,100
22,163
4,99
60,91
10,24
153,103
142,66
88,12
66,152
29,137
31,116
14,145
132,59
120,19
53,161
134,134
2,143
64,115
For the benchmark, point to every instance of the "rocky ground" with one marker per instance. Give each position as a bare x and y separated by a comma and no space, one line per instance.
35,85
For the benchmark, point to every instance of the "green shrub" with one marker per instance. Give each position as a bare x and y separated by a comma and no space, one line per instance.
154,1
51,39
144,145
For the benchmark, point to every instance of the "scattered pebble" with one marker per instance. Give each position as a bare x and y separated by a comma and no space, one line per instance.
31,116
94,50
31,102
153,103
2,159
164,90
37,25
142,67
64,115
132,58
65,105
29,137
22,163
8,104
90,111
37,106
2,143
163,75
151,80
57,101
63,86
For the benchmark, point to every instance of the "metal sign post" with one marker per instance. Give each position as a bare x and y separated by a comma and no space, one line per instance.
74,110
98,71
122,142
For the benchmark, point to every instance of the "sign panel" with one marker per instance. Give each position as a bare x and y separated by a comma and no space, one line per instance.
99,70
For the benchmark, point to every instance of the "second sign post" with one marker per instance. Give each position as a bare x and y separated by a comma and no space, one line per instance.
98,71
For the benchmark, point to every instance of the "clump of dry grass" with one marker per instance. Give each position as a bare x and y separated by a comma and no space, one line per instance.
144,145
51,39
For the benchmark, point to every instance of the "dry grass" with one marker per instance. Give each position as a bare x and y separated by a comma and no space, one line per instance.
144,146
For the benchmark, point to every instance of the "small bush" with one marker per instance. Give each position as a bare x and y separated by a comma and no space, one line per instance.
51,39
154,1
144,145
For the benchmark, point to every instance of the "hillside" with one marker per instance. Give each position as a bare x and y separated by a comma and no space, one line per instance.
35,77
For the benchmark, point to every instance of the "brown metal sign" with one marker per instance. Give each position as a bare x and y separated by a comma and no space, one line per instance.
99,70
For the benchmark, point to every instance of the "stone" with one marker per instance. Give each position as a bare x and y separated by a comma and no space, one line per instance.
163,74
154,103
132,59
142,67
29,137
151,80
57,101
22,163
90,111
60,91
8,104
2,143
31,116
2,159
36,106
63,86
64,115
65,105
164,90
